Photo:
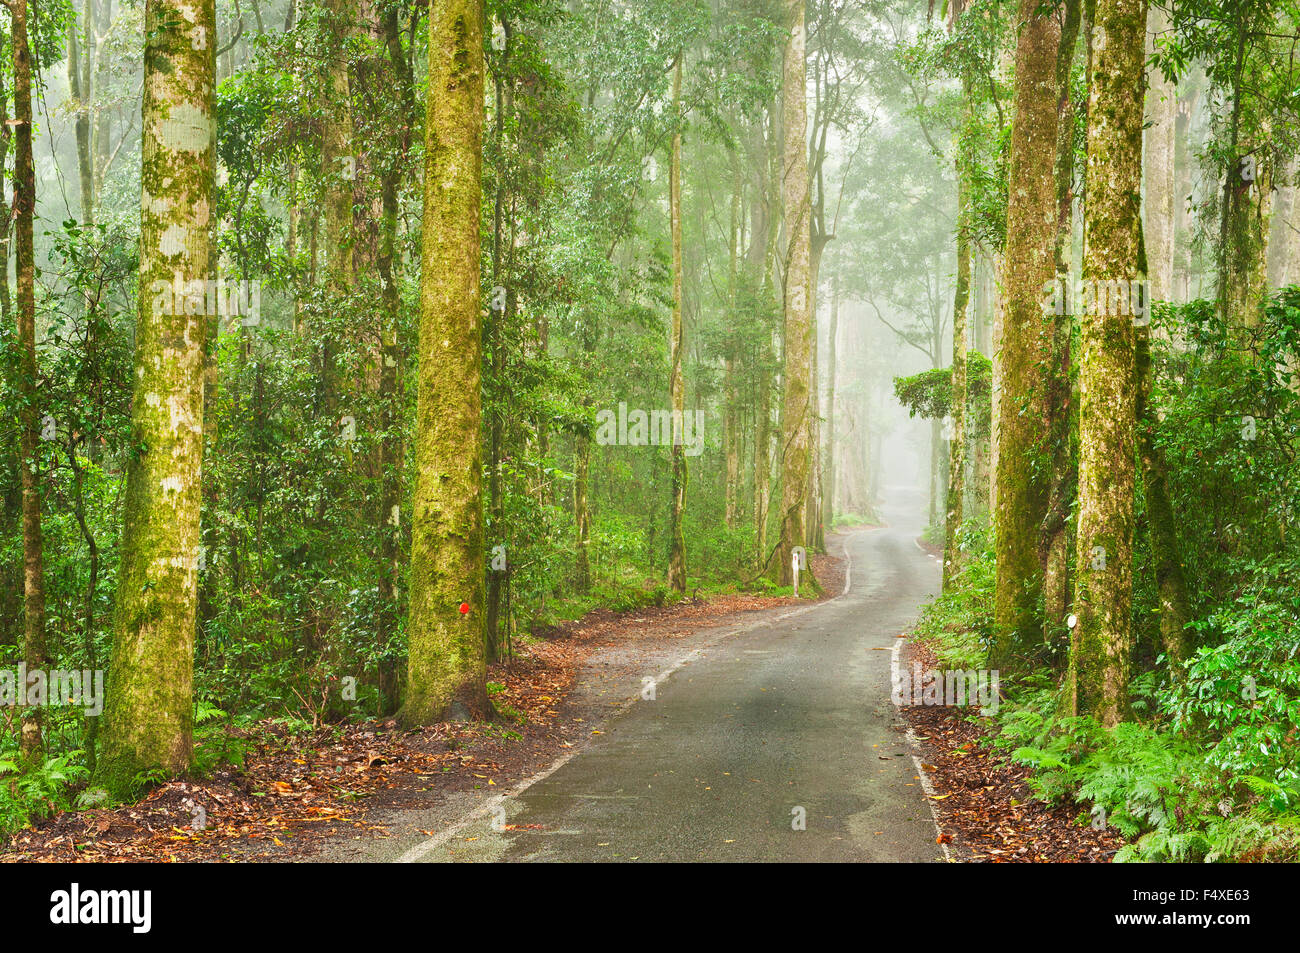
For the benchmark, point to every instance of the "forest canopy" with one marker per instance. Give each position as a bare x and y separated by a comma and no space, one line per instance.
372,343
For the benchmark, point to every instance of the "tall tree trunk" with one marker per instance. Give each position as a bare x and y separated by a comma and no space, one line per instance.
81,105
1099,657
1182,291
762,464
731,434
391,450
338,172
338,169
1029,266
765,222
24,207
936,452
148,717
797,406
1162,105
677,541
447,674
1054,543
499,313
95,27
1291,273
995,400
1171,582
1243,228
957,409
814,532
581,514
828,458
1279,244
11,585
5,217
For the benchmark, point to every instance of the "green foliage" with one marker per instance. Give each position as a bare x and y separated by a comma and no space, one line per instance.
1244,692
929,394
36,791
958,625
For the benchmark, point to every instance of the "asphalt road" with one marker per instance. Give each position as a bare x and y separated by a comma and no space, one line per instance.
790,721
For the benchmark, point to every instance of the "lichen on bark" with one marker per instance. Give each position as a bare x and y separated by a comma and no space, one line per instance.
1025,347
447,665
1100,645
148,713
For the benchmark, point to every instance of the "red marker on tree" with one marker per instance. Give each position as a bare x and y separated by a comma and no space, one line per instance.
464,608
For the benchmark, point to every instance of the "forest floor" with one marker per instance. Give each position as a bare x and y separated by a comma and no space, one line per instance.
329,793
295,791
982,800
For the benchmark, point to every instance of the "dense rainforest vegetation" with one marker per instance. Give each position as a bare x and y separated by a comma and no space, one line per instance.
348,345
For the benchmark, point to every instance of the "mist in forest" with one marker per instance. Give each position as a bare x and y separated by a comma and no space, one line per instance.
353,353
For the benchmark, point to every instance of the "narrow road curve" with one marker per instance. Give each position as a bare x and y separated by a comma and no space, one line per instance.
789,721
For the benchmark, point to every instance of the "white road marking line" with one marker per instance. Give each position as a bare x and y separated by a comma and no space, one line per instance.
926,787
423,849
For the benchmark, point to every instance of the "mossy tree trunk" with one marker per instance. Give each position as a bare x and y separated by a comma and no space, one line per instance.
1283,211
961,300
29,414
1054,541
677,343
500,313
1171,581
1101,642
447,665
338,174
337,160
732,438
1162,103
148,716
1025,347
765,221
731,434
581,514
1182,273
1291,270
1247,183
828,458
79,95
392,455
797,406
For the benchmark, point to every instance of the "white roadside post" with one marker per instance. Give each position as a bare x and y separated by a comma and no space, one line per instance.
798,560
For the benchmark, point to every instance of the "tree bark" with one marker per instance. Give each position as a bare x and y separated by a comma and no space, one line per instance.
29,416
1054,543
828,459
81,104
447,668
797,406
677,541
1243,227
957,408
1171,582
1100,647
391,450
148,717
1028,267
1182,277
1162,105
731,415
